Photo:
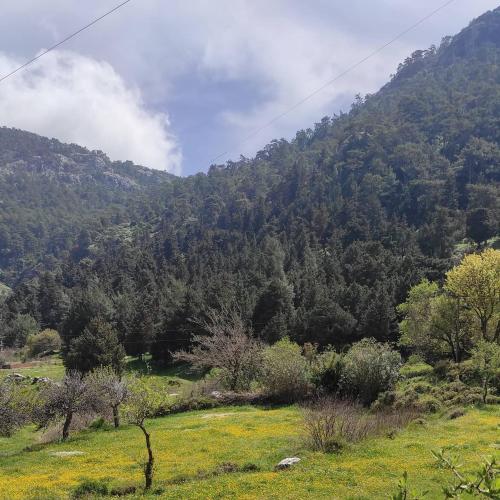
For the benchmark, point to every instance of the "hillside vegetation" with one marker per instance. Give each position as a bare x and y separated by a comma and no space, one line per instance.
318,238
56,198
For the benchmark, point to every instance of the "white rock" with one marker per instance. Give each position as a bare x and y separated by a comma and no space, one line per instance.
288,462
67,453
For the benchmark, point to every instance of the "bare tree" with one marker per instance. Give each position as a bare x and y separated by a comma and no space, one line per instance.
65,399
228,345
110,389
146,397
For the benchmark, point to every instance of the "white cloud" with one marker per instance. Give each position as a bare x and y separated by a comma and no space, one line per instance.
79,99
290,56
292,50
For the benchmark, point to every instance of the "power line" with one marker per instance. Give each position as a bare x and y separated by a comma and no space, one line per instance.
69,37
338,77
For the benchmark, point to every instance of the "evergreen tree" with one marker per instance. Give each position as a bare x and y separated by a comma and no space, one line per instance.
97,346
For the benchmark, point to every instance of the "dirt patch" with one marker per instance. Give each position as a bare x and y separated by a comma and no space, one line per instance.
66,453
216,415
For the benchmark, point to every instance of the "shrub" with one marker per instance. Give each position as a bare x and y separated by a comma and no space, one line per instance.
455,413
457,394
369,369
421,387
467,373
326,371
325,424
384,400
249,467
43,343
412,370
406,398
415,359
285,374
90,487
330,424
429,404
442,369
122,491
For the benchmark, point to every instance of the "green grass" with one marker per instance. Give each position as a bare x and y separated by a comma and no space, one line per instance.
51,368
416,370
190,446
178,376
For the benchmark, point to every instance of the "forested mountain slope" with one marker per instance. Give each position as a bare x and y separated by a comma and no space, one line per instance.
318,238
54,194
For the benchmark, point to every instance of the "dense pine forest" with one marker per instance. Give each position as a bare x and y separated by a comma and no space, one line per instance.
319,238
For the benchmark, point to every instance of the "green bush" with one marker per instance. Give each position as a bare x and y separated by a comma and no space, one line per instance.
428,404
441,369
385,400
44,342
326,371
19,329
457,393
89,488
421,387
285,374
412,370
369,368
415,359
407,398
455,413
123,490
467,373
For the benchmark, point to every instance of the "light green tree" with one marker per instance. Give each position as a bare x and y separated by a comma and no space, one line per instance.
416,324
436,323
486,360
476,281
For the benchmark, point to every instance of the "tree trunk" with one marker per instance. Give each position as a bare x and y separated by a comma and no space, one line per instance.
66,426
485,389
458,353
116,417
234,382
148,469
484,328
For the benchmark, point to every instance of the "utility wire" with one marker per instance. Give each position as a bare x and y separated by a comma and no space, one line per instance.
58,44
338,77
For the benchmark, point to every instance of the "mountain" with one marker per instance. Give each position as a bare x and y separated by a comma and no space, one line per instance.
318,238
51,194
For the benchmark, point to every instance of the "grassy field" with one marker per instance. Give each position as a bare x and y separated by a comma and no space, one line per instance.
53,368
191,446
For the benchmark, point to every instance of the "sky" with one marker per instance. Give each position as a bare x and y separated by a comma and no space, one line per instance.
174,84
